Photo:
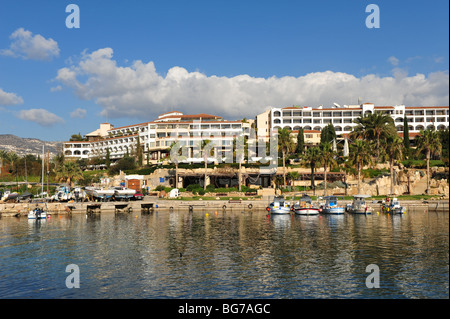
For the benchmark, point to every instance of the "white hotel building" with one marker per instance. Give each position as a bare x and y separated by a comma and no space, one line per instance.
342,118
156,137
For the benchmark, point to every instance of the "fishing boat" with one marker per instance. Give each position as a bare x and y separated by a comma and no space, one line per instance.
331,206
99,193
393,207
279,206
359,206
305,206
123,193
37,213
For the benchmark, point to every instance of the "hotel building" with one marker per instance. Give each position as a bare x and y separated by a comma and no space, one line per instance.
342,118
156,137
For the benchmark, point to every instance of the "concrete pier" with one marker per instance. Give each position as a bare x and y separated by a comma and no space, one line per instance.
22,209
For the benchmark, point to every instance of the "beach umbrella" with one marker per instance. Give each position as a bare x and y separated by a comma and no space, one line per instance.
346,147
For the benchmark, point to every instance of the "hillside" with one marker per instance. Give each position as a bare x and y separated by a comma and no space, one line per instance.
25,146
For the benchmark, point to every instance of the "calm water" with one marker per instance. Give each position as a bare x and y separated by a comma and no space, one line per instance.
226,255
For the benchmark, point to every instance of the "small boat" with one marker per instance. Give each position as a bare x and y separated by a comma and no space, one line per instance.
305,206
279,206
99,193
37,213
393,207
8,195
359,206
123,193
331,206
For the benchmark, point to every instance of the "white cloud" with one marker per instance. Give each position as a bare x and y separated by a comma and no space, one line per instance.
78,114
393,60
27,46
139,91
40,116
9,98
56,88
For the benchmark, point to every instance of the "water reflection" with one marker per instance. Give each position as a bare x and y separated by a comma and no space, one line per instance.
210,254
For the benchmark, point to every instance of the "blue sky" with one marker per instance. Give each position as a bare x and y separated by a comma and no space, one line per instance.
132,60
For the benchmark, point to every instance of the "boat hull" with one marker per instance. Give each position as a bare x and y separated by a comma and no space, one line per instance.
280,210
359,211
306,211
334,210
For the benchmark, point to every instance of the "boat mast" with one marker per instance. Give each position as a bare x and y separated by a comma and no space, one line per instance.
42,184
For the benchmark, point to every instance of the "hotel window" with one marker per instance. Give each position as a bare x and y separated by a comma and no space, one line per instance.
430,112
306,113
326,114
409,112
308,136
297,120
306,120
357,113
418,113
347,113
236,125
430,119
205,127
441,119
419,119
326,121
276,113
317,114
317,121
287,113
440,112
297,113
288,121
348,121
337,114
337,120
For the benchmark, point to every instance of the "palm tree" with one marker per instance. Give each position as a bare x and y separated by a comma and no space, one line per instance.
328,155
374,127
205,146
395,150
429,142
176,156
313,157
360,155
69,172
286,145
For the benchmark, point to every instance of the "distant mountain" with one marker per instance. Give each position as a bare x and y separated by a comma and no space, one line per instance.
25,146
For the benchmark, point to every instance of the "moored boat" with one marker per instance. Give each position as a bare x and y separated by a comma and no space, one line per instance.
393,207
123,193
331,206
37,213
279,206
99,193
359,205
305,206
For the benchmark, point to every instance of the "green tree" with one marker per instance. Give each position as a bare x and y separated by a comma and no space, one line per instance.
313,157
206,147
69,172
359,156
328,134
328,159
406,142
395,149
374,126
429,142
286,146
300,148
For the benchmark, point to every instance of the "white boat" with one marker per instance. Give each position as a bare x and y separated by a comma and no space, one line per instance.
331,206
99,193
359,205
305,206
279,206
37,213
121,192
8,195
393,207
